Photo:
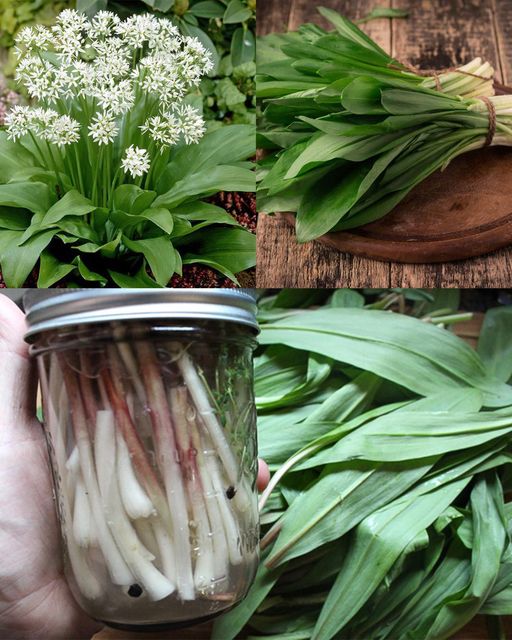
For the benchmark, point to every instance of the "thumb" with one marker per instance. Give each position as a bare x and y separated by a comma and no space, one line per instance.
17,379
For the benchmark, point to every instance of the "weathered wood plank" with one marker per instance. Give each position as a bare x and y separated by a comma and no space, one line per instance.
272,16
282,262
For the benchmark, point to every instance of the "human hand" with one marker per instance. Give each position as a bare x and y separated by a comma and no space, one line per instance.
35,600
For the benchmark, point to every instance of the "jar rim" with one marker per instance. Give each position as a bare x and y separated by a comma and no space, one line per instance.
51,309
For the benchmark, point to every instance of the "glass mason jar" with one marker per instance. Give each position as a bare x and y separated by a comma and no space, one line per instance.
150,422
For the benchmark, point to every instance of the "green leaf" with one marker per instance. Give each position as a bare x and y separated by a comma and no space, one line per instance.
207,9
234,249
132,199
14,219
87,274
226,145
489,540
235,12
91,7
73,203
51,270
418,356
17,262
495,342
243,47
193,259
378,542
206,183
159,253
346,298
34,196
203,212
13,158
140,280
160,217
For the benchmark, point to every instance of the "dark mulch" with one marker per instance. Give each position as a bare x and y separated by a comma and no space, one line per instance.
242,206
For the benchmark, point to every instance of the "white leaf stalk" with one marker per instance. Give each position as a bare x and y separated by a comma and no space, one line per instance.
86,580
108,90
155,506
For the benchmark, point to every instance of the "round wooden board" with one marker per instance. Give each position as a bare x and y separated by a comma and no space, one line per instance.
461,212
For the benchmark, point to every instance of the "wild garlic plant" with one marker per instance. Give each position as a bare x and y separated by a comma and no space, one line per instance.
111,98
103,180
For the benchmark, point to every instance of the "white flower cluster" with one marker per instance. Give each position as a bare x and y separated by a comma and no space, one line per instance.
136,161
167,128
44,123
102,69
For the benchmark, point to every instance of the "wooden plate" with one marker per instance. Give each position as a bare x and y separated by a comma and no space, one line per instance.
461,212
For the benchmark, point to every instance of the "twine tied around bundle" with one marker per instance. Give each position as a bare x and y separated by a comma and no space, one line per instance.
433,73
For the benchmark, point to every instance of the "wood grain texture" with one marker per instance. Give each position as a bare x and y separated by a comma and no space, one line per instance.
437,34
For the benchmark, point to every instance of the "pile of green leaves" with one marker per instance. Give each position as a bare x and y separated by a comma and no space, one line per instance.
350,131
392,521
144,236
226,28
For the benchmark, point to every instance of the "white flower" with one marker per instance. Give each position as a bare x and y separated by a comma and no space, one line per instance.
103,128
139,29
69,34
191,123
63,130
18,121
103,25
136,161
163,129
116,100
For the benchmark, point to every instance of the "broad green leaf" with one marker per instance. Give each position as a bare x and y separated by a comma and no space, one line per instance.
489,541
107,249
159,216
17,262
87,274
377,543
206,183
132,199
227,145
234,249
495,342
280,382
346,298
243,46
203,213
71,204
14,219
34,196
13,158
236,11
140,280
193,259
159,253
208,9
51,270
416,355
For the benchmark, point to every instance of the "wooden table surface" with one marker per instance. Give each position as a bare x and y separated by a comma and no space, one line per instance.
437,34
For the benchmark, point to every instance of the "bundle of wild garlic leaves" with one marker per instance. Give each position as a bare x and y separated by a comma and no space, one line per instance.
391,440
352,131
